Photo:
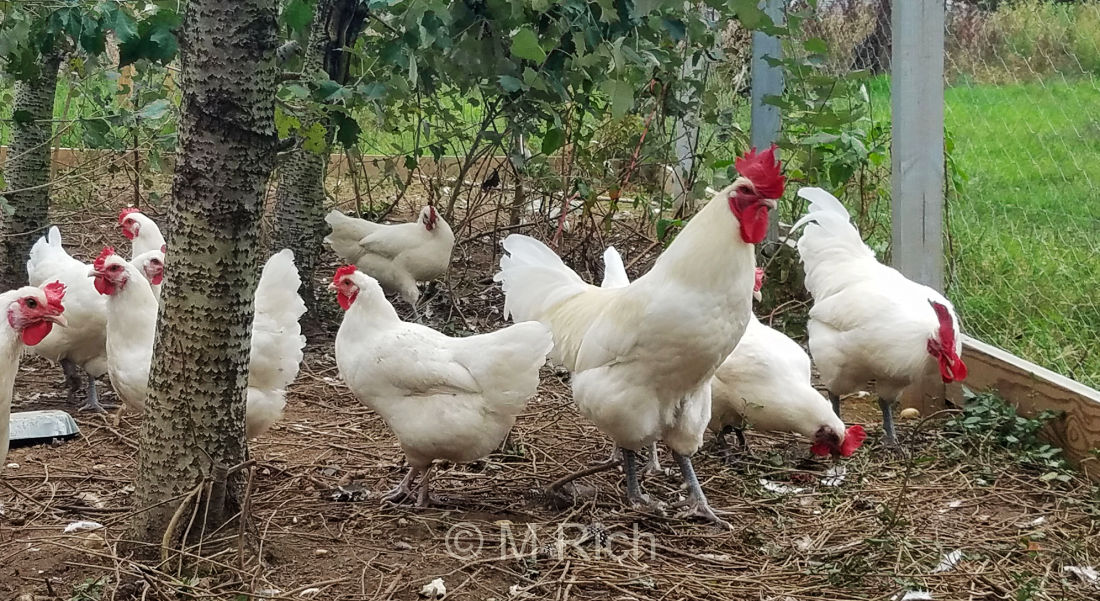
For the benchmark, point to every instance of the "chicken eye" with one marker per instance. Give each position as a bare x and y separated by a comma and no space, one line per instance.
743,189
31,303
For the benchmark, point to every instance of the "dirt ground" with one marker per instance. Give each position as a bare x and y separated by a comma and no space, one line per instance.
316,528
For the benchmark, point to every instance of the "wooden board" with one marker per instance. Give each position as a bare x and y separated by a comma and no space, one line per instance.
1033,389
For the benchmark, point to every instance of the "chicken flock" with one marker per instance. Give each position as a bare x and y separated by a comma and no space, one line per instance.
664,358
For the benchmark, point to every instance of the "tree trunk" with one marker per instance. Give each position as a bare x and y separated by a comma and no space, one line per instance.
192,435
873,53
27,171
300,196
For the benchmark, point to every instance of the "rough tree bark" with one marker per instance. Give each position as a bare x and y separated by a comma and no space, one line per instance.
300,196
873,53
193,432
27,171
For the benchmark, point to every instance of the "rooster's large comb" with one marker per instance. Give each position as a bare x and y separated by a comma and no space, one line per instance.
764,171
55,292
759,282
126,213
346,270
101,260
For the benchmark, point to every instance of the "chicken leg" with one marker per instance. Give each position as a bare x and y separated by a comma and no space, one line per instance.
74,380
634,492
696,504
835,400
890,438
422,499
403,490
653,465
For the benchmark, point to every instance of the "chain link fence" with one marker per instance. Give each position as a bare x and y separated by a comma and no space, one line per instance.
1022,118
1022,126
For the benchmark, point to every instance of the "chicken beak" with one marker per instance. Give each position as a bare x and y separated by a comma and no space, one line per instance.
331,286
757,296
770,203
58,319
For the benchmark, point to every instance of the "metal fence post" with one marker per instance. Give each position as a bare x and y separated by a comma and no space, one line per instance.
767,80
917,146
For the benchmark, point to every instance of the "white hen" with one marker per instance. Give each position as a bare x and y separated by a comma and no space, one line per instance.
398,256
143,232
83,345
277,341
868,321
30,313
444,398
642,355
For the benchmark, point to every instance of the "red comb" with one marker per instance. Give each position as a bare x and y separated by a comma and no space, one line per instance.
947,328
346,270
164,248
759,283
763,171
55,292
102,258
127,211
853,439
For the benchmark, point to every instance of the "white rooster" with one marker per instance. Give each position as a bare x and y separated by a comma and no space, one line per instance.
30,313
444,398
277,341
398,256
642,355
868,321
83,345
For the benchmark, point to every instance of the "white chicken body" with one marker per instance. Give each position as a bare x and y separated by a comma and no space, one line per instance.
84,341
398,255
444,398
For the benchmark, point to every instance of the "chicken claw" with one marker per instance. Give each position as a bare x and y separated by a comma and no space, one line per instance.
696,504
403,491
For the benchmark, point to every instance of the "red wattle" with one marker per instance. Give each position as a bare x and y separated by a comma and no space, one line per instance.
103,286
32,335
754,223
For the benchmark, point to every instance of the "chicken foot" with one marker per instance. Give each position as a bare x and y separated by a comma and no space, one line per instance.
75,381
835,400
403,490
696,504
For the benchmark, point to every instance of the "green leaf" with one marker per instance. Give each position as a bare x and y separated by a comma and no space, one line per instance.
665,225
816,45
525,44
298,14
296,90
622,97
644,7
347,130
313,139
553,140
510,84
124,27
155,109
